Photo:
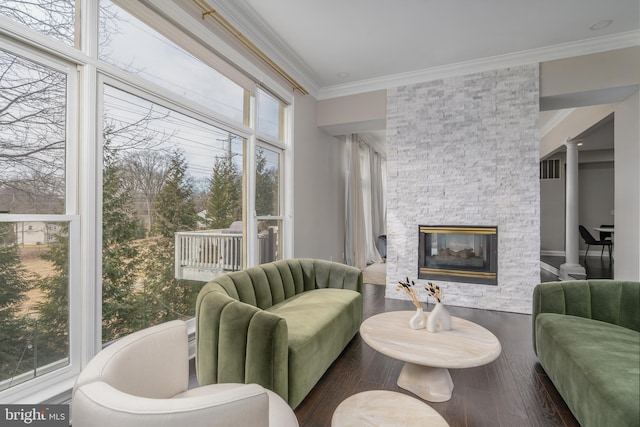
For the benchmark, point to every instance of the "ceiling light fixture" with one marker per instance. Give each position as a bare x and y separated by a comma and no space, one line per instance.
342,75
600,25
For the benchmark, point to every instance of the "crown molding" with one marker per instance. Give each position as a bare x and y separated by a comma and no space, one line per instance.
242,16
550,53
245,19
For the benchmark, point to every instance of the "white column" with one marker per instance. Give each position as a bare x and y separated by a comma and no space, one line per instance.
572,266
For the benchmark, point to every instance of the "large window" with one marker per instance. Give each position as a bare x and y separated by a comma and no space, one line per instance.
168,180
268,203
133,46
36,192
132,171
268,175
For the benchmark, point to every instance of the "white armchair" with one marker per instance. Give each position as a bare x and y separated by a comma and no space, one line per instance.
142,380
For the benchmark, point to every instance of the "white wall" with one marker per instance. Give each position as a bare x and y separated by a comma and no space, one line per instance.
353,114
596,199
319,187
627,193
590,73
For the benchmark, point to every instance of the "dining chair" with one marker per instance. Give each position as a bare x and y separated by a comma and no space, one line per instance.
605,234
591,241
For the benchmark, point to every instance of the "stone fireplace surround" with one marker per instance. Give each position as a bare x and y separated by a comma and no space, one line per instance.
465,150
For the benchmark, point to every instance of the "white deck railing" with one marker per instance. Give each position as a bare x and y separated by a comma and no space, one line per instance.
207,250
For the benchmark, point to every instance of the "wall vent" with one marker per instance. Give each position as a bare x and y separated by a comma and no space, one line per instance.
550,169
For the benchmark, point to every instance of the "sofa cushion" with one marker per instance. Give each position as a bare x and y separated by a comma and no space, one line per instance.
595,366
321,323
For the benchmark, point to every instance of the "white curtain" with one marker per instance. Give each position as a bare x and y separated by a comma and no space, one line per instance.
378,195
365,204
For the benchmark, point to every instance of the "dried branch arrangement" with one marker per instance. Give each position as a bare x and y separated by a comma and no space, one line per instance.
408,289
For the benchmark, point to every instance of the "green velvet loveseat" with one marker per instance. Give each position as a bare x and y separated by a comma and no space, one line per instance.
280,324
586,334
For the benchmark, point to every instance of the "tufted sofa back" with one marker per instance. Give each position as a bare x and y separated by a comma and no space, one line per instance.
268,284
611,301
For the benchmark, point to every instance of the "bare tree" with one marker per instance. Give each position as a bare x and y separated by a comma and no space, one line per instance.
33,107
55,18
138,149
123,136
145,171
32,135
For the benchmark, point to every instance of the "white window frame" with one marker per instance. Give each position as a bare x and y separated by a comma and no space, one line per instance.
163,97
83,208
283,231
34,390
285,147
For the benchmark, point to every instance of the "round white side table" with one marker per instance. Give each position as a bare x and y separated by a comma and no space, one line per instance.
377,408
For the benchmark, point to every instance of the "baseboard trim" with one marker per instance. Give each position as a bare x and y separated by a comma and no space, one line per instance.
552,253
580,253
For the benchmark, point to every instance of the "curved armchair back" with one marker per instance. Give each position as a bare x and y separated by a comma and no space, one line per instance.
142,380
610,301
151,363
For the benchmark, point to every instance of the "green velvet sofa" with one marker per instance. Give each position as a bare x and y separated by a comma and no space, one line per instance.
280,324
586,334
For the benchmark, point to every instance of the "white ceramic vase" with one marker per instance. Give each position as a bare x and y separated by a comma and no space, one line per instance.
439,319
418,321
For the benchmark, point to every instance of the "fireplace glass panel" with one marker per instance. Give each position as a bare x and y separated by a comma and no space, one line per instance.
458,254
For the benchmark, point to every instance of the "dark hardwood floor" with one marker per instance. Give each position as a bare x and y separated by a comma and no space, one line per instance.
511,391
594,266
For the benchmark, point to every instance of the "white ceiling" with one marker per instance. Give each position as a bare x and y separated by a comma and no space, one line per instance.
336,46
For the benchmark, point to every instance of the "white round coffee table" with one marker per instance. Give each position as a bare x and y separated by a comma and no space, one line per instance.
385,408
428,356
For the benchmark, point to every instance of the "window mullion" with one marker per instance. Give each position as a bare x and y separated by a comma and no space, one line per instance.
90,208
287,183
251,227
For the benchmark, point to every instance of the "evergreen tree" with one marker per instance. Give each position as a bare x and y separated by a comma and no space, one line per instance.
165,297
119,257
266,186
14,283
224,204
53,312
175,207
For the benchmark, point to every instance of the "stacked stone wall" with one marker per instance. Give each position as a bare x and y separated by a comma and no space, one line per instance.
465,151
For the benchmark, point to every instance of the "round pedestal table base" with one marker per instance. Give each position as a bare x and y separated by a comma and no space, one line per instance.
431,384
